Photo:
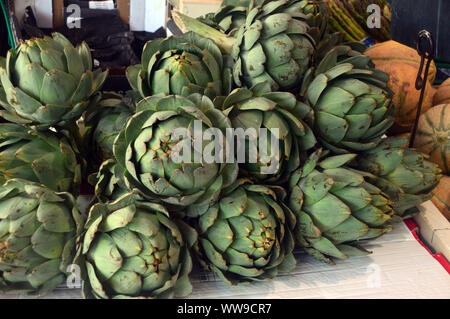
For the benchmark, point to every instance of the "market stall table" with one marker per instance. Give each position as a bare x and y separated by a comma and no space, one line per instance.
398,268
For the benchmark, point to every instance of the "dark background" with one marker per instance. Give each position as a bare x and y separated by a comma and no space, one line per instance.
3,35
408,18
411,16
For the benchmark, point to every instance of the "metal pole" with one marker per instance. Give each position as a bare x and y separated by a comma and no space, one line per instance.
425,48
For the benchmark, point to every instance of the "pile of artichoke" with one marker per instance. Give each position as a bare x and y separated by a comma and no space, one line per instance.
174,186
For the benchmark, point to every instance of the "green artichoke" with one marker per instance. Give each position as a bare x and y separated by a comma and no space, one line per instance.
273,45
351,101
41,157
247,236
48,82
132,249
232,15
277,114
38,231
336,208
154,160
109,182
402,173
103,124
181,65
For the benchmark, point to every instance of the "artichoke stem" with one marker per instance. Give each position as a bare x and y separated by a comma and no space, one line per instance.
185,23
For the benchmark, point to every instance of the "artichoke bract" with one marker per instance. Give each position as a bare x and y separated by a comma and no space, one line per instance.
351,100
152,153
41,157
132,249
48,82
247,235
38,235
336,208
181,65
227,19
279,117
403,173
272,45
109,182
316,15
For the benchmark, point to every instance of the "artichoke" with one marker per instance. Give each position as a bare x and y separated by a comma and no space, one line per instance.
336,208
247,236
273,45
109,182
351,101
38,231
132,249
103,124
154,159
181,65
402,173
48,82
41,157
232,15
278,115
